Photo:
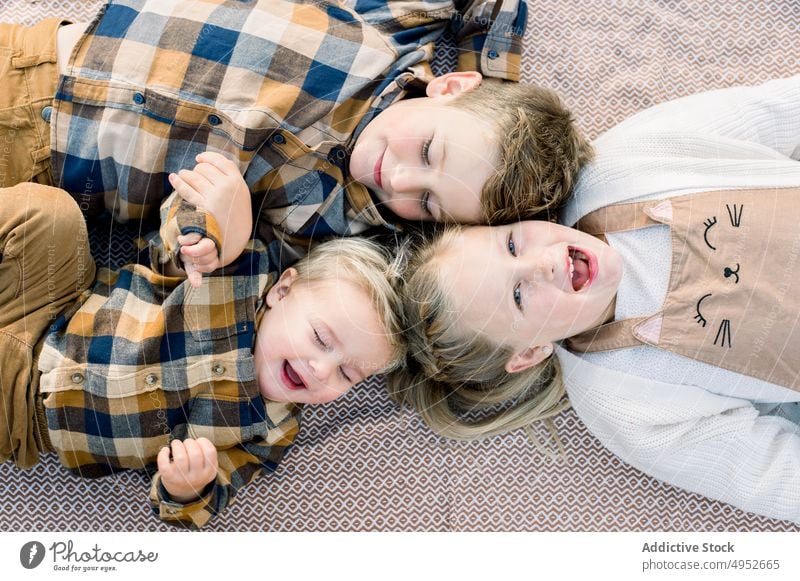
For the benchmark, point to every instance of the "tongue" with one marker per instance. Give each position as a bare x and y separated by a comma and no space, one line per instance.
293,375
580,274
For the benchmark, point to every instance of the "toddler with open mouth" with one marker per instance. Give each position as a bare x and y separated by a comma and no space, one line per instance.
485,306
198,379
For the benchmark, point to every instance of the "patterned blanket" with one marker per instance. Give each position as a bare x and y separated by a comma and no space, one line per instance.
363,464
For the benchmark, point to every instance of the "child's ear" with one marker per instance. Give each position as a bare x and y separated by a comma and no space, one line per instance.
281,288
528,358
453,83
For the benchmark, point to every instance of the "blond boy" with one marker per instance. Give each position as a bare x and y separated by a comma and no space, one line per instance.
329,110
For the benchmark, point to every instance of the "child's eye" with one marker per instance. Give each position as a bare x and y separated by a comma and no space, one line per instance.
344,375
319,340
425,202
512,246
518,296
426,147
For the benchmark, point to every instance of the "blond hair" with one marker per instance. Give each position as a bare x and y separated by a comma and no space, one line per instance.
375,270
456,379
541,150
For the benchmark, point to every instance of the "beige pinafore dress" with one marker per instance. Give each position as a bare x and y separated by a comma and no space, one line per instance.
733,298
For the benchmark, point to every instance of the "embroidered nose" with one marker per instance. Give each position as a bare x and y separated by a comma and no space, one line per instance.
728,273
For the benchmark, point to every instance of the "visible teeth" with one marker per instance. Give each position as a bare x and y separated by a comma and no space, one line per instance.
571,266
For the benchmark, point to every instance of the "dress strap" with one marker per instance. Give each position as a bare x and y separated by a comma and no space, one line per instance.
618,218
614,335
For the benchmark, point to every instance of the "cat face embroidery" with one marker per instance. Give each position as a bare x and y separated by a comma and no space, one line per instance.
731,272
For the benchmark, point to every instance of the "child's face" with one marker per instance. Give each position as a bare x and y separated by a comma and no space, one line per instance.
317,340
529,284
426,160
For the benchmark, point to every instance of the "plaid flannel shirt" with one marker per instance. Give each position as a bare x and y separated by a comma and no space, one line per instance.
282,87
144,358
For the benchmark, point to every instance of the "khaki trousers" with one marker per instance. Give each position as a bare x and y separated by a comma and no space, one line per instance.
28,79
45,265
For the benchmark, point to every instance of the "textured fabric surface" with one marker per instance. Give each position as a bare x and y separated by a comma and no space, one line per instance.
363,464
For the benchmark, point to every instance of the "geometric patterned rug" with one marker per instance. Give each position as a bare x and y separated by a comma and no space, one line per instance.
363,464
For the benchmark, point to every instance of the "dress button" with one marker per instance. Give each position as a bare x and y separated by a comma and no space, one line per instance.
279,139
77,378
214,120
219,369
138,98
493,54
47,112
151,379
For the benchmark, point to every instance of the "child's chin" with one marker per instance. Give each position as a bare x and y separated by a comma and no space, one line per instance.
271,391
280,397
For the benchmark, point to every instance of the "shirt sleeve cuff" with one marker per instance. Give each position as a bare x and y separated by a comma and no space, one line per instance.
179,217
498,58
194,514
489,38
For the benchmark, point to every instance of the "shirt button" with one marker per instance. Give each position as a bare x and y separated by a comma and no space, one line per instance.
77,378
219,369
214,120
493,54
279,139
151,379
46,113
138,98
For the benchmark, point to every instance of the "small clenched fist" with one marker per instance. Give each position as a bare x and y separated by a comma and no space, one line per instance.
186,467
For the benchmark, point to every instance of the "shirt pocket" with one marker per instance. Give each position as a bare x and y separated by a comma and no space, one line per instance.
29,83
222,308
141,136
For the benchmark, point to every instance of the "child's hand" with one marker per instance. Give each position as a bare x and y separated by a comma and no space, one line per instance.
216,186
192,466
199,256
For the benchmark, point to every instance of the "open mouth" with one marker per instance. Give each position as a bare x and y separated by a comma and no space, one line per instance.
376,171
582,268
291,379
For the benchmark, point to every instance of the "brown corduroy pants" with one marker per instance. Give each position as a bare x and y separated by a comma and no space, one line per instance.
45,265
28,79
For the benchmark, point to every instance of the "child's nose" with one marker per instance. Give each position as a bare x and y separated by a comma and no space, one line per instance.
322,367
404,179
540,267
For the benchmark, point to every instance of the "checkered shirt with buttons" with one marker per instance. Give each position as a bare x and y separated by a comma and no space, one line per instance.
144,358
282,87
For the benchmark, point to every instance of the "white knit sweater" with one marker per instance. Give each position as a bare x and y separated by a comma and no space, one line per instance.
702,428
